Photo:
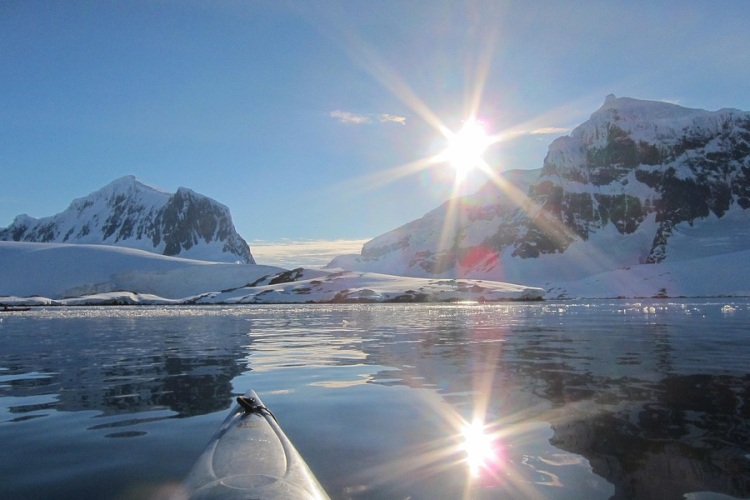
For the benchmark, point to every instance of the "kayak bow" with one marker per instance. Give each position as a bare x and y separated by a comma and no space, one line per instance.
250,457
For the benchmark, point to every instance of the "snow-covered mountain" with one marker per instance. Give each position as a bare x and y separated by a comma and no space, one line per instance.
129,243
639,183
128,213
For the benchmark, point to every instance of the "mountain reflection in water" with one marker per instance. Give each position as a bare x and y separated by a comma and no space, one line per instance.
653,397
125,363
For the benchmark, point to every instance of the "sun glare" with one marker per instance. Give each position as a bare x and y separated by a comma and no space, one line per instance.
477,445
466,147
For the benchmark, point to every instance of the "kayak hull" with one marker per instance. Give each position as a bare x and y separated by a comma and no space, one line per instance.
250,457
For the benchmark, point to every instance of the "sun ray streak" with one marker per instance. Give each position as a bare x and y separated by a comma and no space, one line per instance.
367,58
477,78
369,182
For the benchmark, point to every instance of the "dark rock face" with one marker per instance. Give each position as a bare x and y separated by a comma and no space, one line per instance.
208,221
131,214
632,162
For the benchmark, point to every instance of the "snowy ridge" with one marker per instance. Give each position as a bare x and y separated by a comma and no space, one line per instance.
640,182
129,213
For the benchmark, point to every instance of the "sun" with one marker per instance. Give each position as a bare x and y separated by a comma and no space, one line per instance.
466,148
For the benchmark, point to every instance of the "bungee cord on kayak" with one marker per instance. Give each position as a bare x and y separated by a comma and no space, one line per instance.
251,405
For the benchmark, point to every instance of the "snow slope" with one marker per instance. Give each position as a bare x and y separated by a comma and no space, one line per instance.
725,275
70,274
57,270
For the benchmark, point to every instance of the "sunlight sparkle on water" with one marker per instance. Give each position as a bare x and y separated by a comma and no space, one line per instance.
478,447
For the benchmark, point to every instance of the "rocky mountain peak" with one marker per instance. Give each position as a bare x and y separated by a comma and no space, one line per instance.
129,213
676,162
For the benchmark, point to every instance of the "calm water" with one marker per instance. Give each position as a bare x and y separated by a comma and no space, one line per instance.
617,399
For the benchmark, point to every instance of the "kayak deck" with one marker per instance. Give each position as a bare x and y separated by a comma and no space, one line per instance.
250,457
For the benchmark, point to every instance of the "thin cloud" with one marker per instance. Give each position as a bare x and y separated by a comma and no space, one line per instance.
302,253
385,118
347,117
359,119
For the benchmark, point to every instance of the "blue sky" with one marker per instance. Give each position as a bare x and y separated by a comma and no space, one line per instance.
296,114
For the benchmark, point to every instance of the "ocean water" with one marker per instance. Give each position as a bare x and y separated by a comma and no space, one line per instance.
568,400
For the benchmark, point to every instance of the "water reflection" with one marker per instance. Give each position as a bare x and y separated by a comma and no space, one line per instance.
682,434
652,397
121,364
659,407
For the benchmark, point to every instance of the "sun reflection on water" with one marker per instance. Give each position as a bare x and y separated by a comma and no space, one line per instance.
481,448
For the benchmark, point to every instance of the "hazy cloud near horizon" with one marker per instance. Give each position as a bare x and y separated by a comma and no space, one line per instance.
550,130
302,253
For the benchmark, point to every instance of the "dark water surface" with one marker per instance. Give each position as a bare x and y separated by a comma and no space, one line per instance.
599,399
